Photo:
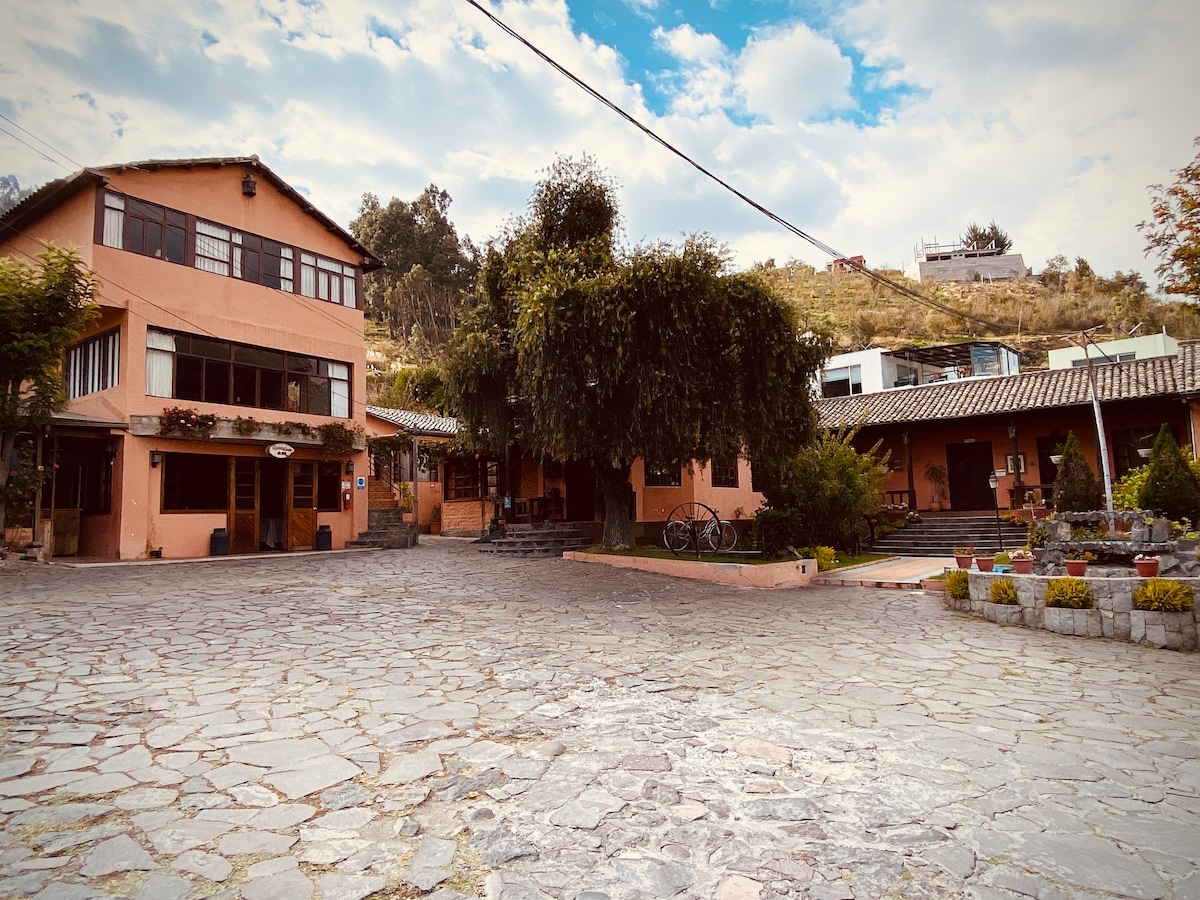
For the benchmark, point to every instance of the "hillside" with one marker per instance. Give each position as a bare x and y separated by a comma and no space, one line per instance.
860,313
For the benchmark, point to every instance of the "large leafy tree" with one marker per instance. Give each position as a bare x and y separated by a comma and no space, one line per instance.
428,267
1173,231
43,308
580,351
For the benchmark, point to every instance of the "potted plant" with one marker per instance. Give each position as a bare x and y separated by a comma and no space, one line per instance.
936,476
963,556
1022,561
1077,562
435,519
985,561
1147,564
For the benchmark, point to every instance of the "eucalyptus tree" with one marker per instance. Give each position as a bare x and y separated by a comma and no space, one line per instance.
577,350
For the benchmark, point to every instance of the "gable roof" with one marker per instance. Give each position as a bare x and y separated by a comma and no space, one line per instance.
50,195
1043,389
419,423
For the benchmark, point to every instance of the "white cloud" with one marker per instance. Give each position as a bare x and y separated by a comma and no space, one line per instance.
790,75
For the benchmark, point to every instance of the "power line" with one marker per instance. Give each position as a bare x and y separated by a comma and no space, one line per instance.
30,146
877,277
44,143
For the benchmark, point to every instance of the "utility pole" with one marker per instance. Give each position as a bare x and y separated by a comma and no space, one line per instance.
1104,469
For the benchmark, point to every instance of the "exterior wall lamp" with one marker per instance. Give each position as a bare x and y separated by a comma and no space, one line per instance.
249,185
156,458
350,467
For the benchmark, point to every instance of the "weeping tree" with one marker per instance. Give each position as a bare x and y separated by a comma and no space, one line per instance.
579,351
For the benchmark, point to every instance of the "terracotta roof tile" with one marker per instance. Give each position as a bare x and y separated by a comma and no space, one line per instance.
419,423
1042,389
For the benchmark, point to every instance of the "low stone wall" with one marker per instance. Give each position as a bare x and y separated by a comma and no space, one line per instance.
790,573
1113,615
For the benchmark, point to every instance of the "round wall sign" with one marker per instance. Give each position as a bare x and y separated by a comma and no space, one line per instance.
281,451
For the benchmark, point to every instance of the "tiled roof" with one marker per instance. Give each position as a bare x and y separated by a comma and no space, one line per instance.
1043,389
418,423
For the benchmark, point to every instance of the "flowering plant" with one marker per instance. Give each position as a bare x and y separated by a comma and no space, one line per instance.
1021,554
1147,557
1083,555
180,420
964,551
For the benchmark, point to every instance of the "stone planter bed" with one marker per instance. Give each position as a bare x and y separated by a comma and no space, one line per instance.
791,573
1113,616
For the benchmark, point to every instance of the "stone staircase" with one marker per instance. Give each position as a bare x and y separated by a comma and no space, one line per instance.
546,539
939,536
386,529
379,495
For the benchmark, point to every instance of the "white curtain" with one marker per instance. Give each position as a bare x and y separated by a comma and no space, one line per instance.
160,363
339,390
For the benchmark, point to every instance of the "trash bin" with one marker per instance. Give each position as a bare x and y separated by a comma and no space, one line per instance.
324,538
218,544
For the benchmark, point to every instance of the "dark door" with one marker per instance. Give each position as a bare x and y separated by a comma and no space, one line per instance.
968,467
243,507
302,506
580,488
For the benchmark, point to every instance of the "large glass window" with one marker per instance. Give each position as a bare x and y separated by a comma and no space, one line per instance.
195,482
191,367
93,364
145,228
841,382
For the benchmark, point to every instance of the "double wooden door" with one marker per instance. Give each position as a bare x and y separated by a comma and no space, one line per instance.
272,504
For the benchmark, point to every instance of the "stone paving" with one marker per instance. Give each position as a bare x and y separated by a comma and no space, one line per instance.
443,723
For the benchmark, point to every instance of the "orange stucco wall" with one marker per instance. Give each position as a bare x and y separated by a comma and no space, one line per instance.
654,504
138,291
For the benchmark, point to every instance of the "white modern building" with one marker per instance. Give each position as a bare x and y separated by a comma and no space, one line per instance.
1144,347
874,370
954,262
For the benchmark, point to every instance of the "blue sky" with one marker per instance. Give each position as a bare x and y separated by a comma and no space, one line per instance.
869,123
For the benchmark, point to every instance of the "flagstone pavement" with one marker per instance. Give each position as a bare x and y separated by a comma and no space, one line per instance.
443,723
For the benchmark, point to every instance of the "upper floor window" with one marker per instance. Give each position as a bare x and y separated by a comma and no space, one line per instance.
841,382
191,367
153,230
92,365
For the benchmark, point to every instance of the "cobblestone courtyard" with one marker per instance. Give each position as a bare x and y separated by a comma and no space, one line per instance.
439,722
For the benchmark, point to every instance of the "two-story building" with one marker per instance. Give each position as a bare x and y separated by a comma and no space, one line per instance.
223,385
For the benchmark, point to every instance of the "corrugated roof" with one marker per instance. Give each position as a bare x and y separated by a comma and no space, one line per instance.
419,423
1043,389
50,195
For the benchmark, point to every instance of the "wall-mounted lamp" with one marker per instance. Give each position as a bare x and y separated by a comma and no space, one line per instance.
350,467
1012,432
156,458
249,185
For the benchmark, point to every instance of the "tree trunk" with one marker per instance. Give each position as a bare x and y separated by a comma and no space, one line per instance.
8,442
614,485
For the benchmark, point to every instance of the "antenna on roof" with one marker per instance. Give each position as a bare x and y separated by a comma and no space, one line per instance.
1132,331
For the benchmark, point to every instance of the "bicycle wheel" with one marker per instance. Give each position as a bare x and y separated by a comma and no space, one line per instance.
722,537
678,536
694,520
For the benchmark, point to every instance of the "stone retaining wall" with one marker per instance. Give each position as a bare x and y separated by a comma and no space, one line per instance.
1112,617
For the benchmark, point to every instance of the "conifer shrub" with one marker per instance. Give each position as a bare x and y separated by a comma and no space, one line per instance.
1171,485
1076,488
958,584
1163,595
1004,590
1068,593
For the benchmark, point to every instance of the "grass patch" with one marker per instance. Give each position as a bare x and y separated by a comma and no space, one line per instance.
648,551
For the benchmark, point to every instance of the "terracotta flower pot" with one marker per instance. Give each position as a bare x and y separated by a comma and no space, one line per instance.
1023,566
964,562
435,527
985,563
1077,568
1146,568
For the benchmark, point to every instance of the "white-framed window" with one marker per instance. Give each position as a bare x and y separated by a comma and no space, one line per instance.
841,382
93,365
213,248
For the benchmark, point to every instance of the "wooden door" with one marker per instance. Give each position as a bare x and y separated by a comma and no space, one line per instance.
243,505
969,465
302,506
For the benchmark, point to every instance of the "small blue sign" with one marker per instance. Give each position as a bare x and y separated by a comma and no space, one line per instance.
362,482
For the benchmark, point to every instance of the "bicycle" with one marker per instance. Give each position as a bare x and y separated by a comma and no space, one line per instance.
695,527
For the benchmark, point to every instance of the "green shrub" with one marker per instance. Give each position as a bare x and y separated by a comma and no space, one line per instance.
1163,595
777,529
1075,488
958,584
1004,591
826,557
1170,486
1068,593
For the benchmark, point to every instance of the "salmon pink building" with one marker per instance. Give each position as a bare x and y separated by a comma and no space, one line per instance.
218,401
